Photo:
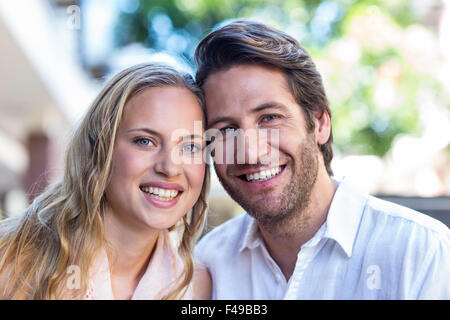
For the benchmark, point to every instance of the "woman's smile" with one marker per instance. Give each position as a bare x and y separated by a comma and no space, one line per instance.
162,194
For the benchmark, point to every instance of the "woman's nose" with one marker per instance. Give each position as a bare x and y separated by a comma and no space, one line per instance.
168,166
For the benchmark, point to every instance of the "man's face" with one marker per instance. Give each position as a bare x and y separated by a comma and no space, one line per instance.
254,98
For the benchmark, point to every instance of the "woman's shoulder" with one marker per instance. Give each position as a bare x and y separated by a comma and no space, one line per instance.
8,286
201,282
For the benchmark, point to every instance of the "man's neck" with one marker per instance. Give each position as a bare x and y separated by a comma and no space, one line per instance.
285,241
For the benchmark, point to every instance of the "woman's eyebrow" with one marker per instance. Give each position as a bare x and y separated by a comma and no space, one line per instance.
181,138
147,130
191,137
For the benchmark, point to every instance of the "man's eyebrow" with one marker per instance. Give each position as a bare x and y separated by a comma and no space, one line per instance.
220,119
269,105
266,105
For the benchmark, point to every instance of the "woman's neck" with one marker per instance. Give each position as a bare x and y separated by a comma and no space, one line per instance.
132,252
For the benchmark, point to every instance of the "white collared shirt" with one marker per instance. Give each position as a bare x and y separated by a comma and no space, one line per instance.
367,249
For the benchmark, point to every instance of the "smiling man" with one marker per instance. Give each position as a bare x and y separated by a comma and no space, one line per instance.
305,235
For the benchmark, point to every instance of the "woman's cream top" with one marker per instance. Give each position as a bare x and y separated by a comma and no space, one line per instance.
164,268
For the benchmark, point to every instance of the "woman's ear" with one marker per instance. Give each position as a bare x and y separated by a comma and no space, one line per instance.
323,127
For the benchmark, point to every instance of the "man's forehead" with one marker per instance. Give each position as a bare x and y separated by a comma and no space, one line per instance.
242,73
238,90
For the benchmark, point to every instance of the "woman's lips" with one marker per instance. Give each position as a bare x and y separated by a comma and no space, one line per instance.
161,202
163,185
161,194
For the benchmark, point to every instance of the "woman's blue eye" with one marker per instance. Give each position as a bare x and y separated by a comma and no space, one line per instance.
191,148
144,142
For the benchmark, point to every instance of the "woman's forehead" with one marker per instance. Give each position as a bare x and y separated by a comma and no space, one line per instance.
163,109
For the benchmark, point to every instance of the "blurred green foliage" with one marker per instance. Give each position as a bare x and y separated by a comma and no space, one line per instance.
373,96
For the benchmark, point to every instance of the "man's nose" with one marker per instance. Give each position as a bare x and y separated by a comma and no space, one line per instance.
252,146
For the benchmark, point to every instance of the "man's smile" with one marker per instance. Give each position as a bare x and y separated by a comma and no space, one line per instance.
262,174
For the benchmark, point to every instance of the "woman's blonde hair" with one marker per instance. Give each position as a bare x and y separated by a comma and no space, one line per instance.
63,227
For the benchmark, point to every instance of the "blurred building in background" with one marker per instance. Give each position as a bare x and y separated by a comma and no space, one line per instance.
43,91
385,65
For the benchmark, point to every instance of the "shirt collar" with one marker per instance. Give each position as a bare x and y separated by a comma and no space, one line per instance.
341,225
344,216
252,237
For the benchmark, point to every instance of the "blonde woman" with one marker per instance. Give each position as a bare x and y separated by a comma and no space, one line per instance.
122,222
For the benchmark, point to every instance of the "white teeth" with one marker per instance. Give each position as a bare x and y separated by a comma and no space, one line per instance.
159,193
263,174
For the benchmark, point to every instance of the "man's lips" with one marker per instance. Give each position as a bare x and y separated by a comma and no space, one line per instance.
256,181
254,170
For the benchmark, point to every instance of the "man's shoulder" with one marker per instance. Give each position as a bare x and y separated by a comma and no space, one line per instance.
229,234
398,229
382,213
410,247
400,216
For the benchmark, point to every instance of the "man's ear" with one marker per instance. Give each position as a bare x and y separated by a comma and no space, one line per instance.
323,127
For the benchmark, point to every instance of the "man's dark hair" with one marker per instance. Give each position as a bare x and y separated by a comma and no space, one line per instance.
249,42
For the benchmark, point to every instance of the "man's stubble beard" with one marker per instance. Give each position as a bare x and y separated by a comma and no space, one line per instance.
289,215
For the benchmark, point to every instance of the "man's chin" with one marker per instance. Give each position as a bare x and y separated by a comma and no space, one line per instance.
265,217
264,205
263,211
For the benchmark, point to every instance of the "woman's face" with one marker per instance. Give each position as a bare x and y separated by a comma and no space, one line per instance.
158,168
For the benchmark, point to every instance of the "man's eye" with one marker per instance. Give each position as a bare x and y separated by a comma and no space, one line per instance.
228,129
270,117
145,142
